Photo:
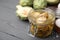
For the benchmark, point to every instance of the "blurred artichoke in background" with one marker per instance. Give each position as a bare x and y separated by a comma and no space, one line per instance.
26,2
39,4
52,2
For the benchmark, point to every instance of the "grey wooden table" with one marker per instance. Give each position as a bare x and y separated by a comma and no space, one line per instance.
11,28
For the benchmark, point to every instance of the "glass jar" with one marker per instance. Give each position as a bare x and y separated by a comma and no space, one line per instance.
41,22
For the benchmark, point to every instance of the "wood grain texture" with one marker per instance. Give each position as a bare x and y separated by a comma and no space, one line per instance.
11,28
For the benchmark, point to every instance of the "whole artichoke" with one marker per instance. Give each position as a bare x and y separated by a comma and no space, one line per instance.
52,2
26,2
39,4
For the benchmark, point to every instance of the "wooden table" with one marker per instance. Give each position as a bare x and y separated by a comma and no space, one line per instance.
11,28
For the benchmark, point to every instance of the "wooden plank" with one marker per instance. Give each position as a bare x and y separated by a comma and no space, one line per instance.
11,27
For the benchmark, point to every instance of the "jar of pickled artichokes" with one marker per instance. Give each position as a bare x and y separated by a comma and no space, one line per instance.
41,22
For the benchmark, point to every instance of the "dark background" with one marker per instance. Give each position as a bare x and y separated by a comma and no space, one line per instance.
11,28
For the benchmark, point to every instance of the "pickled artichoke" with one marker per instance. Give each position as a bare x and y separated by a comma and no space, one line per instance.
26,2
41,22
39,4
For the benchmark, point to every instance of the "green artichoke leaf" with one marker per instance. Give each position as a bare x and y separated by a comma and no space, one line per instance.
26,2
38,4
